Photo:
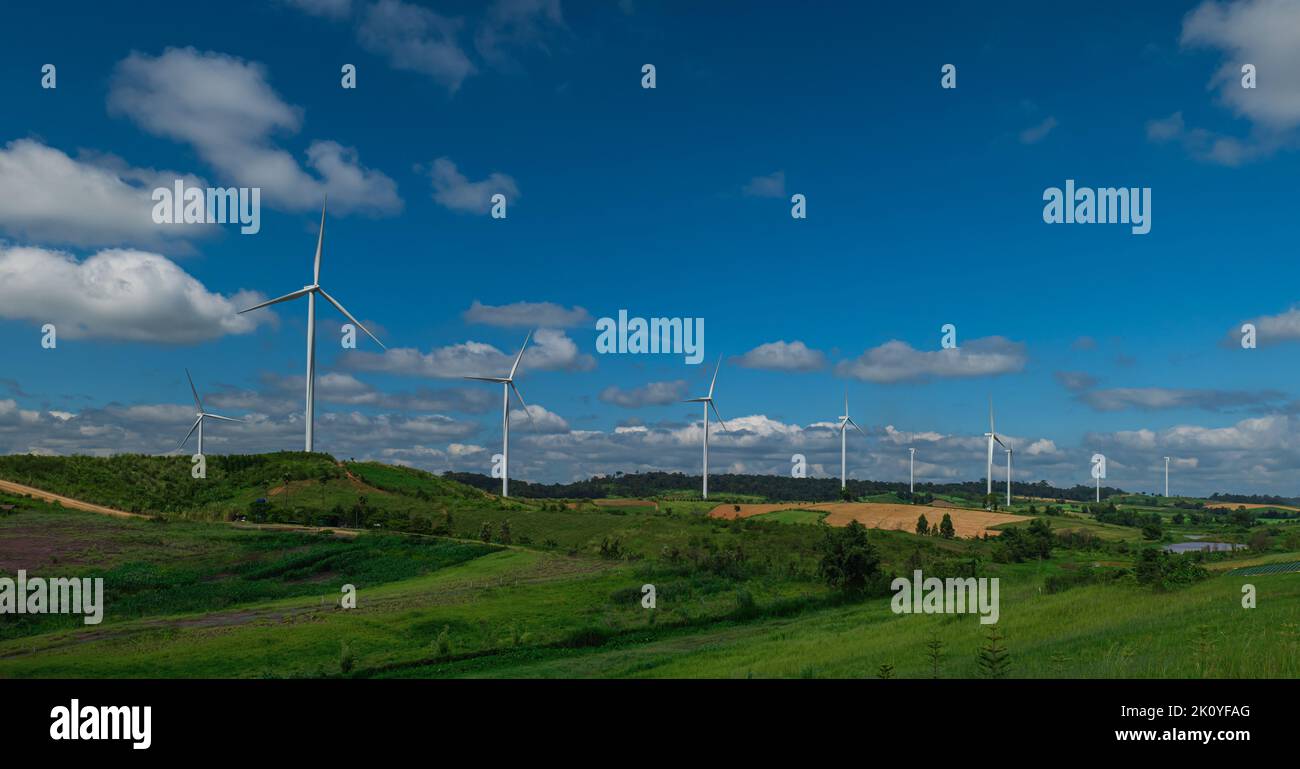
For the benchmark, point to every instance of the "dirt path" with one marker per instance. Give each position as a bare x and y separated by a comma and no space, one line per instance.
75,504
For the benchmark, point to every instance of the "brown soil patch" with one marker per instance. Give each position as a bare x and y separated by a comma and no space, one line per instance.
873,515
75,504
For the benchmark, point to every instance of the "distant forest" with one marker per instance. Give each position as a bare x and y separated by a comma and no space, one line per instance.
1254,499
774,487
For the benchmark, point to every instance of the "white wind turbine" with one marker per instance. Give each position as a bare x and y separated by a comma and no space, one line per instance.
1166,476
845,421
310,291
911,470
507,385
707,400
992,435
201,415
1009,452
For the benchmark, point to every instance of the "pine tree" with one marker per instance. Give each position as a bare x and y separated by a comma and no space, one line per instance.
945,527
922,525
935,647
993,659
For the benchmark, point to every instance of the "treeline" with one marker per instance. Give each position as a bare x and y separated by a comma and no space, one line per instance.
1254,499
774,487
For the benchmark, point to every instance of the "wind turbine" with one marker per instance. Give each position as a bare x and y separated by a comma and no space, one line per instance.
310,291
707,400
1166,476
992,435
201,415
911,470
507,385
845,421
1009,452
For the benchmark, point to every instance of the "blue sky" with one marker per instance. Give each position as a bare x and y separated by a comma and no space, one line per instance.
924,208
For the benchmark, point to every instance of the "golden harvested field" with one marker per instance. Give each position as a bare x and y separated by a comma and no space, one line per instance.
874,515
1247,505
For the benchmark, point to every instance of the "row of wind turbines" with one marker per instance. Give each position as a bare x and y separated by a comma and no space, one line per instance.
507,382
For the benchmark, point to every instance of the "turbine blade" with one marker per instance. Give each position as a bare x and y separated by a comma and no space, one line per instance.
520,355
197,402
193,427
991,416
515,390
696,400
855,424
719,416
226,419
715,377
320,241
341,309
999,440
285,298
496,379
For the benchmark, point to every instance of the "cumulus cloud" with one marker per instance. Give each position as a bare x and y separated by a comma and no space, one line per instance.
1269,329
770,186
118,294
227,110
416,39
649,394
551,350
526,315
897,361
1265,33
281,394
782,356
452,190
47,196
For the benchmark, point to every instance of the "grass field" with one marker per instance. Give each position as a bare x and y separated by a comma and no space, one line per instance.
196,593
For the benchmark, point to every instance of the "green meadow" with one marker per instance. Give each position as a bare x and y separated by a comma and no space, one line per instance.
450,581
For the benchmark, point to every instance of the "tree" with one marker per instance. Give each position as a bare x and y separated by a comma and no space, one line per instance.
935,651
993,659
922,525
504,536
846,495
945,527
848,559
485,532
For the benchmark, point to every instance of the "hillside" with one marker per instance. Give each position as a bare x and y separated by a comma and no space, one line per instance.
729,487
285,487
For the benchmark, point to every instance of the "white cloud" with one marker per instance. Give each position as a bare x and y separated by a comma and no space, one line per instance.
526,315
1152,398
649,394
47,196
1269,329
769,186
551,350
118,294
897,361
224,107
417,40
452,190
782,356
1265,33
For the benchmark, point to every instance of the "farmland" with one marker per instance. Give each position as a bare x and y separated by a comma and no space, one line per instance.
454,582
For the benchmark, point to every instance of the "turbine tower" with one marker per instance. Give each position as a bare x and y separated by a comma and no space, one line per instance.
507,385
1166,476
992,435
310,291
201,415
911,470
1009,452
707,400
845,421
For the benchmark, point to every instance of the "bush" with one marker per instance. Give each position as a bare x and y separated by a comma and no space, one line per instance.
849,562
1166,571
